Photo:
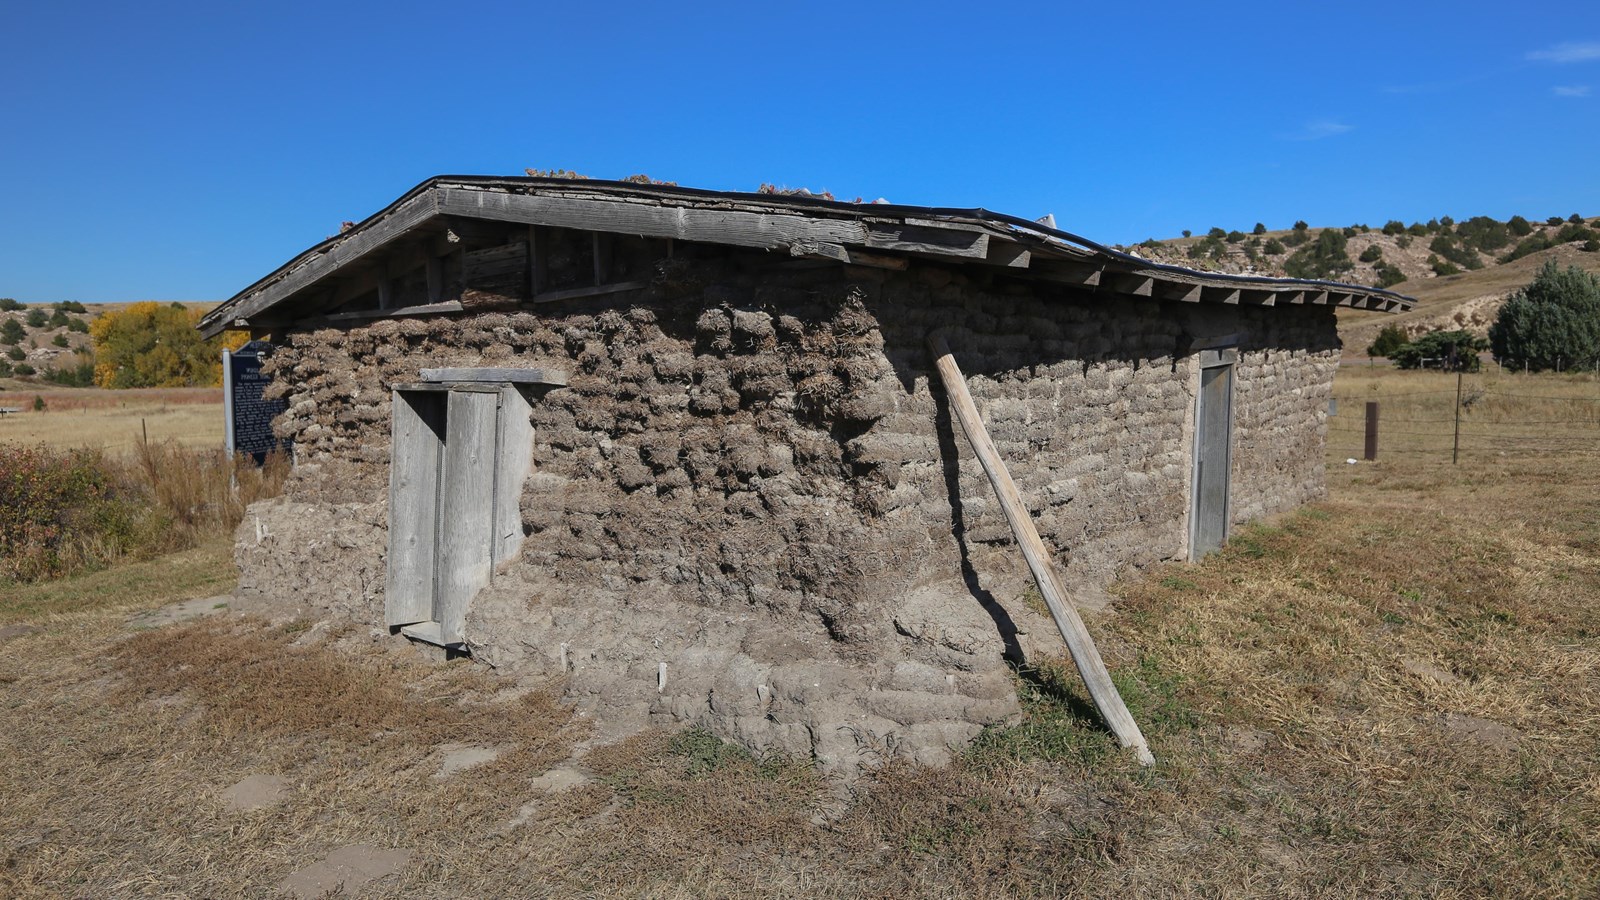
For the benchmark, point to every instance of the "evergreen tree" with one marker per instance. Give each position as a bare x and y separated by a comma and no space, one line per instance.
1390,339
1554,320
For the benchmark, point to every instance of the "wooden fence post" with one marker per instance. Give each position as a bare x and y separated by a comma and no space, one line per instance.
1372,430
1455,445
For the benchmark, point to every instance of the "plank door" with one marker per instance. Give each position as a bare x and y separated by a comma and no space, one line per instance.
1208,516
466,532
417,448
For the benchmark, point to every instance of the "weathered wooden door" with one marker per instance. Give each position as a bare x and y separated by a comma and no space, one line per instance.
1208,512
458,458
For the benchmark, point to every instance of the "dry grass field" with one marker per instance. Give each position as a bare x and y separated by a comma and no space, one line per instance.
110,420
1504,415
1395,692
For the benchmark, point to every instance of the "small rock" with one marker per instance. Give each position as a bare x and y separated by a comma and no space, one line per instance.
1428,670
346,870
16,631
255,792
1490,734
180,612
458,757
559,779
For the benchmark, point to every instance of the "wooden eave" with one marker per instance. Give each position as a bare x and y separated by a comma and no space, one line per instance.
882,235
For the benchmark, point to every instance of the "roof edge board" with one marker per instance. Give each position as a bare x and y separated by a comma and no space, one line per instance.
765,221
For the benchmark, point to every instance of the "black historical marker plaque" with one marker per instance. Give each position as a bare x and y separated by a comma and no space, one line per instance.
249,415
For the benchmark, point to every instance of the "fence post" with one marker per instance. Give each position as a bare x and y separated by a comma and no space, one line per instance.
1372,430
1455,445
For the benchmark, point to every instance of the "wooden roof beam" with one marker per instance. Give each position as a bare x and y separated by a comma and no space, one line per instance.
1067,272
1009,254
1181,291
930,241
1130,283
739,228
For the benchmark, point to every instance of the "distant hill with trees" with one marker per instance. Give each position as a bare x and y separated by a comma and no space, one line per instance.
146,344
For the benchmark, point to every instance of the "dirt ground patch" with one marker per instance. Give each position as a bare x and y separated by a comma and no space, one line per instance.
1396,692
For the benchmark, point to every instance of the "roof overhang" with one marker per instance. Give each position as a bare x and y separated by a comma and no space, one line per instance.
797,226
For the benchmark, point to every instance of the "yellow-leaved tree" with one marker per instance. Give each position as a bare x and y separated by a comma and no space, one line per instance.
153,344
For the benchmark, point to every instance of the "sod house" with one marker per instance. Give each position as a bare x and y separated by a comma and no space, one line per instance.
687,448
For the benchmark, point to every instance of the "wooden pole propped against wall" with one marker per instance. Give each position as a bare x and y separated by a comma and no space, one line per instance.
1084,653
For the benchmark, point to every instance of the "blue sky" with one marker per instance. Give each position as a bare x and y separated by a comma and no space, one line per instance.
180,151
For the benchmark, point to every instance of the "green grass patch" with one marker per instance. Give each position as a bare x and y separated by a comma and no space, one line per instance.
140,584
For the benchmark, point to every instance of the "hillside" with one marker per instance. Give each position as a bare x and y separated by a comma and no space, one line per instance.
51,342
44,338
1468,301
1455,271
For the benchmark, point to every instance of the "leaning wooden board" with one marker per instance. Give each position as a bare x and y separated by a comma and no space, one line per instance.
1084,653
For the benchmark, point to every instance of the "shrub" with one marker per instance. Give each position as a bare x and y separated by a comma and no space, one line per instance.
1388,276
58,319
1454,351
1349,231
1300,225
59,340
38,318
1373,253
1554,220
1519,226
1394,226
1323,258
66,511
8,304
1417,229
1216,233
1590,246
1442,268
1555,318
23,370
78,325
11,332
1208,247
71,306
1528,246
1390,339
56,509
1274,247
1575,219
38,403
1446,247
80,374
1295,239
5,369
1571,234
16,354
1235,237
1483,233
1260,228
1403,241
1187,233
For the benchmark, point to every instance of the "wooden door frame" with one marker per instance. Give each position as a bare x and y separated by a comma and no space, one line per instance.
1211,358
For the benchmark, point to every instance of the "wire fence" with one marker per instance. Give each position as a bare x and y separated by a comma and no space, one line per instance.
1474,421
